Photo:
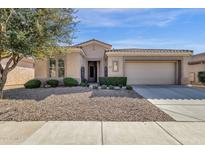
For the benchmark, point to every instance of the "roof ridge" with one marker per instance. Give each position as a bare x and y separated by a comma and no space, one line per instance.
90,41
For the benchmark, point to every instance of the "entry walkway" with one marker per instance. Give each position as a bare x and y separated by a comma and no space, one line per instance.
81,132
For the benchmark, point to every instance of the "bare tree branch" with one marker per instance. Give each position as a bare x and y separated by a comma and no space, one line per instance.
1,68
15,62
9,62
4,57
12,10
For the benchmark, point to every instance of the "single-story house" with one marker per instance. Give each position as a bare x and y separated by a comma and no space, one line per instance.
93,59
196,64
23,72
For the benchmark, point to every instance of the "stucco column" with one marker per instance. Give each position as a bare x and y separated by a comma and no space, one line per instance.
185,71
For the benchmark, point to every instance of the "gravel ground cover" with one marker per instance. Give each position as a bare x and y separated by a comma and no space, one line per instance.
77,104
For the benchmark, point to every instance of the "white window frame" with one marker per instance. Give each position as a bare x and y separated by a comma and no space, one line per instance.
56,68
61,67
117,65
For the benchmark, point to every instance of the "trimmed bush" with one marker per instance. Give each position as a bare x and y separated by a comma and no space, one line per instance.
53,83
111,87
84,81
33,84
201,77
128,87
114,81
82,84
103,87
70,82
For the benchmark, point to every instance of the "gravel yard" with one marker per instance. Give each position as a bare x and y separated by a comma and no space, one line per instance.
77,104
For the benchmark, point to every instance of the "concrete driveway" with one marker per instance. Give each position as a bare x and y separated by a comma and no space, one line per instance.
180,102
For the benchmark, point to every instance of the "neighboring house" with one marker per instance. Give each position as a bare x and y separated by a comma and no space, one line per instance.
196,64
92,59
23,72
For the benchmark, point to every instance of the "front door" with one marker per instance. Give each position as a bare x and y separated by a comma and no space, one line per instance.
92,71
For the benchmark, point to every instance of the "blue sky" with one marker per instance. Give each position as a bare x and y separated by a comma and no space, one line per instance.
144,28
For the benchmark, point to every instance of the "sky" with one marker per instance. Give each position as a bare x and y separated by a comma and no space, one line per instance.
143,28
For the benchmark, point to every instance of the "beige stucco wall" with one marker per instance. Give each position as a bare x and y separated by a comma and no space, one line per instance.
195,69
41,68
120,60
23,72
19,76
73,65
96,52
73,62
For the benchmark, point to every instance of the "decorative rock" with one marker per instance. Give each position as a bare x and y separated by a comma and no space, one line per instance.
47,86
117,88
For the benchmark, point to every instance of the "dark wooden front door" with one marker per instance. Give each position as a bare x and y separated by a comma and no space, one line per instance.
92,71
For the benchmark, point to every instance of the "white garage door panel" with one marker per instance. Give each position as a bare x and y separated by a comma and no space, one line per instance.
150,73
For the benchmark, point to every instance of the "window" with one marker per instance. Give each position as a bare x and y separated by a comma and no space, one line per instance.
56,68
61,69
52,69
115,66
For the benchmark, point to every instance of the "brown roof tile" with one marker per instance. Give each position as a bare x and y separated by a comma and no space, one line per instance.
150,50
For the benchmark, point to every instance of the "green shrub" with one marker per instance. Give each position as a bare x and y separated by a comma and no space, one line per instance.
53,83
114,81
128,87
82,84
33,84
95,87
103,87
70,82
111,87
201,77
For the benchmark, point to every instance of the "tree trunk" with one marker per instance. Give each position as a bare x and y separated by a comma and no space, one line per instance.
1,92
10,65
2,84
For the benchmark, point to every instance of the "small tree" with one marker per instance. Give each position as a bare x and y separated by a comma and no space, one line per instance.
32,33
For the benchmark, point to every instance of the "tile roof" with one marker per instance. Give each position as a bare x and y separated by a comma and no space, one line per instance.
200,55
197,59
150,50
91,41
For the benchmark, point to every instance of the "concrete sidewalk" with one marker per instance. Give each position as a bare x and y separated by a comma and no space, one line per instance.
82,132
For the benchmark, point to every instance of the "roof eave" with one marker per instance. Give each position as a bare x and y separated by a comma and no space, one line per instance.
185,54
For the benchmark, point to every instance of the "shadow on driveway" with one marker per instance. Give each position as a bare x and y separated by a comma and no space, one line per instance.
170,92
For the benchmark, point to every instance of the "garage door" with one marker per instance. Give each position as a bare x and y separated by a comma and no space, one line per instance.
150,73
